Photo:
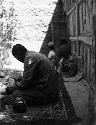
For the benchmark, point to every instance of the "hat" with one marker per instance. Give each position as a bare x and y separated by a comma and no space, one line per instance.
51,45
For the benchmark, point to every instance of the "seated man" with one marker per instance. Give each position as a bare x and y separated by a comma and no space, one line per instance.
39,85
68,65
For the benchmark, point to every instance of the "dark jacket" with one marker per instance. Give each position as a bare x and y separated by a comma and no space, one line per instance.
68,67
39,78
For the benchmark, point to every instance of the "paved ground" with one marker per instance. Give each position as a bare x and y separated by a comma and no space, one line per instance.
79,95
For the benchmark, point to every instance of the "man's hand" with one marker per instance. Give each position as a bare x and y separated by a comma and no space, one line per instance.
2,88
8,90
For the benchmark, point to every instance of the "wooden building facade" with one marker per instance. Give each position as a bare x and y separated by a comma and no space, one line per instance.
80,31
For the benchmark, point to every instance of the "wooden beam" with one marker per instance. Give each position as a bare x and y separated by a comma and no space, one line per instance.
85,39
94,29
71,10
52,30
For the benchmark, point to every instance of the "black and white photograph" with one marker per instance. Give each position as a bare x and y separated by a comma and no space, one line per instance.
47,62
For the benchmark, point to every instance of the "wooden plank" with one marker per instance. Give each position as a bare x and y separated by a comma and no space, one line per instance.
71,10
92,90
94,29
85,39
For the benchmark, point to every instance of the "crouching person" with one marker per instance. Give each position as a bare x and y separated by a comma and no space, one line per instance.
68,65
39,85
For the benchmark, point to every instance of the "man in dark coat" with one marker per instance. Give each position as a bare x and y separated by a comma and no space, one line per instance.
39,85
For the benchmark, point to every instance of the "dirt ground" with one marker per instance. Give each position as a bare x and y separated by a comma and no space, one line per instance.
78,92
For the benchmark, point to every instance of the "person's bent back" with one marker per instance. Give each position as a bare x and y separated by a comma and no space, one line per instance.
42,76
39,85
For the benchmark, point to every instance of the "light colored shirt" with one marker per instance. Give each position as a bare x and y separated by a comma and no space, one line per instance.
51,56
